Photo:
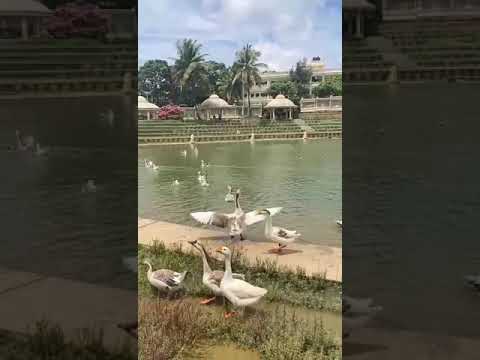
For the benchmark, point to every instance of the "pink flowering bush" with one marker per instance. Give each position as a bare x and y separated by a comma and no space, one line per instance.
169,111
78,19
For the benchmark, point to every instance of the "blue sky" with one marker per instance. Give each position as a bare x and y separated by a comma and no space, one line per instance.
283,30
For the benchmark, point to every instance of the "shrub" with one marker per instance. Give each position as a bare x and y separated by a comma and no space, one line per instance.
78,19
170,111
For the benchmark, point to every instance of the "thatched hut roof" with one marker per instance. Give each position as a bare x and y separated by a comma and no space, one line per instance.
214,102
357,5
23,8
280,101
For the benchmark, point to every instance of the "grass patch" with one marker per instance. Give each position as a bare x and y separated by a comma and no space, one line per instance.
284,285
169,330
48,342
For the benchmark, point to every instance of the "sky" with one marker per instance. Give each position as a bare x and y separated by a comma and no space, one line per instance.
284,31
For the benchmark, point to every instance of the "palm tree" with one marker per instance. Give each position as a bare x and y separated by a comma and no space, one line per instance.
247,68
189,66
227,87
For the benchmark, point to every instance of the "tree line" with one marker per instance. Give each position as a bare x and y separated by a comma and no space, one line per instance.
192,78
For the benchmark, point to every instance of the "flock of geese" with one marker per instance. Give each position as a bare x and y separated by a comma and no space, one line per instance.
236,222
28,143
226,284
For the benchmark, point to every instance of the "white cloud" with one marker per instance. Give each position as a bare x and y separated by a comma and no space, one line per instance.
284,30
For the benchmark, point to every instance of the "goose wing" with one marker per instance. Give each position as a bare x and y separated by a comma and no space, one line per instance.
284,233
244,290
169,277
216,276
253,217
211,218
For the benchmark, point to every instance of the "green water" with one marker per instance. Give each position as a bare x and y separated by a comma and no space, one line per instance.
305,178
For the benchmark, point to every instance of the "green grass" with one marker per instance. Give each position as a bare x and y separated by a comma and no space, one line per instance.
283,285
171,329
48,342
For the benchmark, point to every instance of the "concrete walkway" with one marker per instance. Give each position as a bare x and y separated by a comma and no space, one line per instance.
26,298
313,259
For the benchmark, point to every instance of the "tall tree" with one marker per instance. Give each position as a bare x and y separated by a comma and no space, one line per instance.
190,71
228,88
155,82
247,69
215,73
287,88
301,75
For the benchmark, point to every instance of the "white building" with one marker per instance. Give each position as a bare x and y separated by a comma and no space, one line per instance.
22,19
260,92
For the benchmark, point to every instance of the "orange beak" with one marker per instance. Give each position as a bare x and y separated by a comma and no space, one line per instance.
219,250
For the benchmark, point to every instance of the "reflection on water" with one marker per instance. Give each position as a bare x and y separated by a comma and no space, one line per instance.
304,178
411,180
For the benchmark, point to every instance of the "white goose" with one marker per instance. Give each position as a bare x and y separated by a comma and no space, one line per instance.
276,234
24,142
339,223
234,223
229,197
211,278
40,151
164,279
203,180
239,292
473,281
148,163
252,138
200,177
176,182
89,187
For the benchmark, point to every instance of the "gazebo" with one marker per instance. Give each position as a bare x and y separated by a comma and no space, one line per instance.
145,108
22,18
214,105
354,14
280,103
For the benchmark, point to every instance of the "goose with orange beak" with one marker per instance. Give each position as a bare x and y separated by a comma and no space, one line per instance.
211,278
279,235
239,292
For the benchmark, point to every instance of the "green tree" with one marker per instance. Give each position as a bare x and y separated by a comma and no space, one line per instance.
247,69
215,73
301,75
287,88
332,86
228,88
155,82
190,72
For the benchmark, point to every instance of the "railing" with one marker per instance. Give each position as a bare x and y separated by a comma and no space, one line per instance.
332,103
234,112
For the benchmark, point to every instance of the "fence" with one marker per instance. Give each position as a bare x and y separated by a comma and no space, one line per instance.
333,103
234,112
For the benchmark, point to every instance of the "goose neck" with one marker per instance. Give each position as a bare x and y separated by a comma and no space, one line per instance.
228,267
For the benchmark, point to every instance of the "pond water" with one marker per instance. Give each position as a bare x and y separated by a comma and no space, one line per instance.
305,178
411,204
56,230
332,322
